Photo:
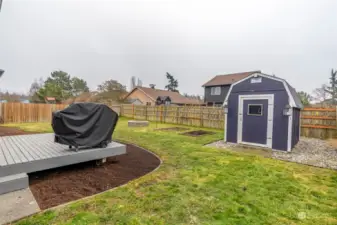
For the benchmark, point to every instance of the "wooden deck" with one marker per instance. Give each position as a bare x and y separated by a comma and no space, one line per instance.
36,152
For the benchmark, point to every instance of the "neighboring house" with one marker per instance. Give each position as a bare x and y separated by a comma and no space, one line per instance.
163,100
149,96
24,101
50,100
134,101
264,111
216,89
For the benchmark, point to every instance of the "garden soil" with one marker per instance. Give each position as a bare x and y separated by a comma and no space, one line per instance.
61,185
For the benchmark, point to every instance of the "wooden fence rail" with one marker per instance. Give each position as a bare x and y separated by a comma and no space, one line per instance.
315,122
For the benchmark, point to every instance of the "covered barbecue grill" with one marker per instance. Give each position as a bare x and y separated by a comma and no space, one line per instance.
84,124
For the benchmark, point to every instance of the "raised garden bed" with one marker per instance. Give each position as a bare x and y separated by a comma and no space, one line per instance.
197,133
61,185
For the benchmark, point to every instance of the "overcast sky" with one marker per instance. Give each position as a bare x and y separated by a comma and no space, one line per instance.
193,40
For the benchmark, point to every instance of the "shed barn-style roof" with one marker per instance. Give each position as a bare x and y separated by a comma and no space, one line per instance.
295,101
226,79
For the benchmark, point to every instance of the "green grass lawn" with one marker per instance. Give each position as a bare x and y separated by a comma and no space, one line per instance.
203,185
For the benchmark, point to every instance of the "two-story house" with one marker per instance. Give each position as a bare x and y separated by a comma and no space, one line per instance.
216,89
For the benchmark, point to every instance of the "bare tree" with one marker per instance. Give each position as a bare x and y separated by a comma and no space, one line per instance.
321,95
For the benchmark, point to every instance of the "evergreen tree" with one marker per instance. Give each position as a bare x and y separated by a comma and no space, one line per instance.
172,83
332,89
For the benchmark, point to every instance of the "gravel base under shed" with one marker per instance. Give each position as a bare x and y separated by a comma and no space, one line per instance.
309,151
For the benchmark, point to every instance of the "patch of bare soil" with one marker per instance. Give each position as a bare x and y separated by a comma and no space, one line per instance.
196,133
58,186
7,131
173,129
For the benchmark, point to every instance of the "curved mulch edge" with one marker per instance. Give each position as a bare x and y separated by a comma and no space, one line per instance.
123,185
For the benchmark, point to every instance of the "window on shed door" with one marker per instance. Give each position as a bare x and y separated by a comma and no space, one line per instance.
254,110
215,90
148,103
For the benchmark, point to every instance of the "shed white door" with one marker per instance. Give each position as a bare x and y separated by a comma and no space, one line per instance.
255,120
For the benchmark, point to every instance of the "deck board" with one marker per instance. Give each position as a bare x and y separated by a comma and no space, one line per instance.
6,154
41,145
18,144
36,152
21,143
20,157
3,160
35,146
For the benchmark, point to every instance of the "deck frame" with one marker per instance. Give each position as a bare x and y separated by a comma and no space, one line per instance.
37,152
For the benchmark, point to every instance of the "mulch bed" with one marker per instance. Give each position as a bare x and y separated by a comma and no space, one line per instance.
7,131
173,129
196,133
61,185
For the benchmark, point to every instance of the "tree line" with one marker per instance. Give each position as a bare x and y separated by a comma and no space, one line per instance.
67,89
61,86
326,94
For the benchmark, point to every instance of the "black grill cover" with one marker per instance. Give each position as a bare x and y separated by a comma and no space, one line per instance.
84,124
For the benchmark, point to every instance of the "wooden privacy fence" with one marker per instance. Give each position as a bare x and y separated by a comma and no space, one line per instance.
315,122
319,122
25,113
184,115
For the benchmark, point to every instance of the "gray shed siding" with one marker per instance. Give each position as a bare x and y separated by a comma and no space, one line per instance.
216,98
296,127
281,99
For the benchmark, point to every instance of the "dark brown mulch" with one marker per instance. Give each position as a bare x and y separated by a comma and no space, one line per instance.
196,133
58,186
173,129
6,131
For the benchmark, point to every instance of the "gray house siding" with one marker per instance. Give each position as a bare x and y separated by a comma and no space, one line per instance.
268,86
216,98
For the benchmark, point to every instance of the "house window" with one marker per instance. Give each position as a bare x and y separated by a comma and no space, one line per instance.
255,110
215,90
148,103
167,102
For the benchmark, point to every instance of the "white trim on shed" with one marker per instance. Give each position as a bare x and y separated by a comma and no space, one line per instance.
291,98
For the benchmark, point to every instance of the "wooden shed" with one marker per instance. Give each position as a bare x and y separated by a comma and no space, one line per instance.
264,111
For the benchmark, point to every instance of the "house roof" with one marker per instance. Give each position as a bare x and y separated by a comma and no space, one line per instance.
174,96
228,78
50,98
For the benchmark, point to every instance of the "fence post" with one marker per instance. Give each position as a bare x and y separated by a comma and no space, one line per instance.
161,113
133,111
336,122
201,117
